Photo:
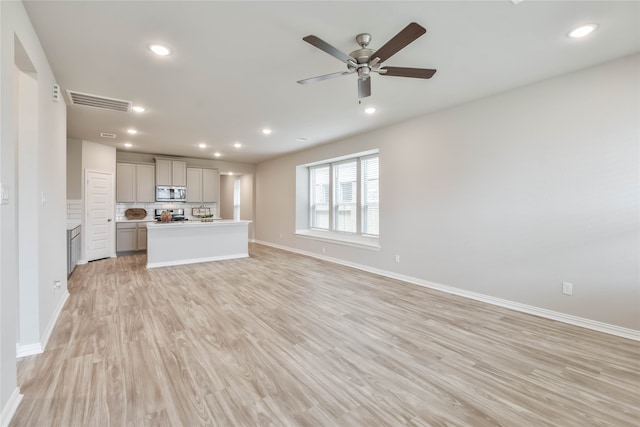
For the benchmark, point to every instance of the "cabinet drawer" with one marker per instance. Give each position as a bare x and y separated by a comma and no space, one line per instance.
124,225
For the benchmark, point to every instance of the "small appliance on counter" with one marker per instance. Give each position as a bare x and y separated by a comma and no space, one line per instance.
176,214
171,194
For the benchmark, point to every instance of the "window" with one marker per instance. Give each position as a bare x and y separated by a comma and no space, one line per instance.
319,197
344,196
345,205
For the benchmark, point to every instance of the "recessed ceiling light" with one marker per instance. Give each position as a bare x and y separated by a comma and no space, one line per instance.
128,145
302,139
266,131
237,145
370,110
217,154
138,109
202,145
158,49
582,31
132,131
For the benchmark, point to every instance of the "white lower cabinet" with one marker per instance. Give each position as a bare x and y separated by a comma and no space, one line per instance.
131,236
142,238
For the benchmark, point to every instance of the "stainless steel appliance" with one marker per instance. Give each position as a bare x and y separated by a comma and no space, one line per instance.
171,194
176,214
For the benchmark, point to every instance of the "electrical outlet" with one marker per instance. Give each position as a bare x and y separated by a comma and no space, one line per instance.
567,288
281,235
56,285
398,258
324,250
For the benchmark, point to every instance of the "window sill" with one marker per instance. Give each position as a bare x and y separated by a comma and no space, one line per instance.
363,242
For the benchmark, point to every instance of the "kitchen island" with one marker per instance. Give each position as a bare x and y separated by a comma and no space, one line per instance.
188,242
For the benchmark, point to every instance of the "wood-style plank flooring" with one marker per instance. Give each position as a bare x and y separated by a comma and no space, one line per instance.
280,339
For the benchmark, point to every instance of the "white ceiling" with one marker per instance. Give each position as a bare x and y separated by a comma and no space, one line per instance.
235,64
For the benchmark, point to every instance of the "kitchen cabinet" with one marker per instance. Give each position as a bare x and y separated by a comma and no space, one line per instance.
194,185
171,172
135,183
125,182
145,183
142,237
73,248
210,185
131,236
202,185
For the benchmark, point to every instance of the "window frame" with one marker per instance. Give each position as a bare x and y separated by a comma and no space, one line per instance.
358,237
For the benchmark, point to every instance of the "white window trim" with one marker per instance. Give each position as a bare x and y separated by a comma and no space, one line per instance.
345,239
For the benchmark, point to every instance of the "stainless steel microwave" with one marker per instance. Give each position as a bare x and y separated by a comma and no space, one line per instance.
166,193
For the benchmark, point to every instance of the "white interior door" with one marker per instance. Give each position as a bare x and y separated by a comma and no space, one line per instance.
99,207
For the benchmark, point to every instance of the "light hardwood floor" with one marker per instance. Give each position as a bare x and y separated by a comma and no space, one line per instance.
280,339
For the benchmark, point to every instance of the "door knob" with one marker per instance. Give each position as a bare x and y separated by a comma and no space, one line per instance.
109,220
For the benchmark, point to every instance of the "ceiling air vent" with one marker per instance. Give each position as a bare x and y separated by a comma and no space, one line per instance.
107,135
96,101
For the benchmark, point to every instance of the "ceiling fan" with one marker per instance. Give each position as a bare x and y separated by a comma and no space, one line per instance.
364,61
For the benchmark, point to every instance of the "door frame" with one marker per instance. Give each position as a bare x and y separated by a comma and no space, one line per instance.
111,226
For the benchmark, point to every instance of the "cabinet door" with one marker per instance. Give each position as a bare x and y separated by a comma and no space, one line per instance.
125,182
145,181
210,185
194,185
126,239
179,173
163,172
142,237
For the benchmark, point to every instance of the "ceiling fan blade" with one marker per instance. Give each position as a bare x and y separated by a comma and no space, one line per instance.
323,45
364,88
418,73
324,77
400,40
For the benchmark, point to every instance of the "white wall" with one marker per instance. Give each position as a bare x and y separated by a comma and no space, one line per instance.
506,196
74,169
98,157
50,164
247,202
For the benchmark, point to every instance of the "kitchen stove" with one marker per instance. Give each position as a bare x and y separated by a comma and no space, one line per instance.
176,214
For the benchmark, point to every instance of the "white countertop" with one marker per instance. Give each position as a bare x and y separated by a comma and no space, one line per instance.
192,223
72,224
135,220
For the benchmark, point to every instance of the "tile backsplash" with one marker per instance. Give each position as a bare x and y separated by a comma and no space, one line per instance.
74,210
150,207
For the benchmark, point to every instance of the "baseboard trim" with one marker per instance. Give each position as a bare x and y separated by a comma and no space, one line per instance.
52,322
38,347
607,328
10,408
28,350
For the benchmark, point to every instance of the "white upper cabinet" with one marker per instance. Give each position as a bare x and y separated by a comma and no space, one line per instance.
146,183
171,172
210,185
179,173
202,185
194,185
125,182
135,183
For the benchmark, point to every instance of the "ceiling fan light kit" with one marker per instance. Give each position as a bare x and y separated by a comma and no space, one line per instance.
364,61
